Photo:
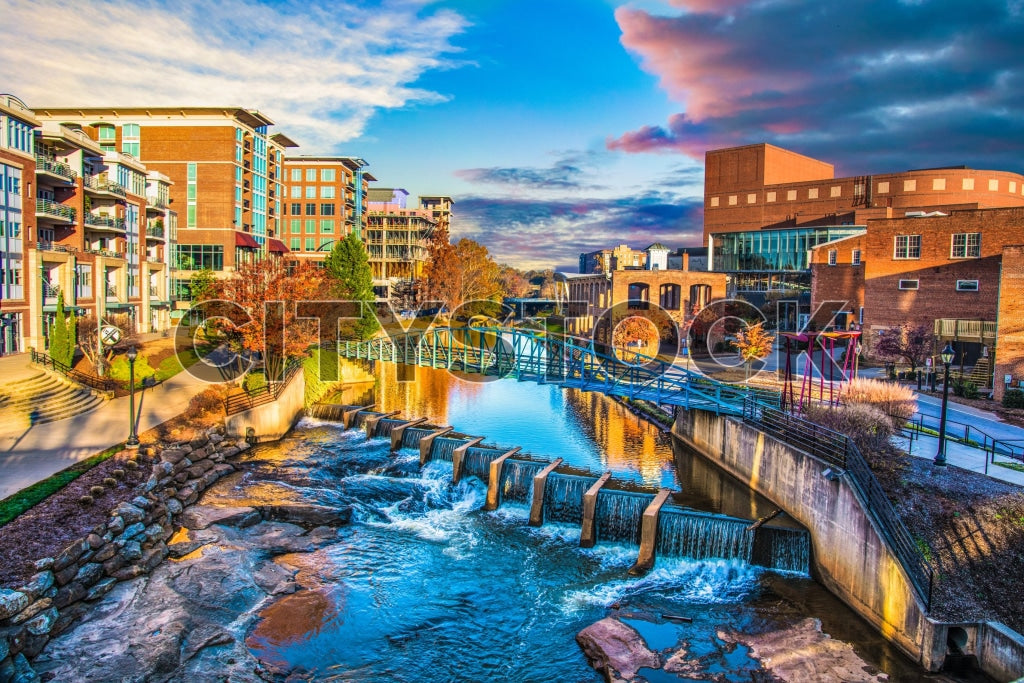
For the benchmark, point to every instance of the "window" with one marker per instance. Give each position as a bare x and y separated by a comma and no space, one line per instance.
296,209
296,175
966,245
324,241
835,191
327,226
190,216
310,175
310,209
938,183
910,185
909,284
190,192
295,226
907,247
832,257
968,183
993,185
327,209
310,244
855,257
883,187
191,172
751,198
296,243
790,195
714,201
812,193
732,200
967,285
327,192
327,175
105,132
310,225
130,139
770,197
311,192
200,256
296,191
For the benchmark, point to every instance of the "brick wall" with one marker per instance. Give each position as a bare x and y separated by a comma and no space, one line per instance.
843,281
1009,357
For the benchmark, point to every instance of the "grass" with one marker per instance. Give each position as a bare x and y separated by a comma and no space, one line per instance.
1015,466
13,506
924,549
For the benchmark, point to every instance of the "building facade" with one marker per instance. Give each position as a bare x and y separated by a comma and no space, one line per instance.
397,238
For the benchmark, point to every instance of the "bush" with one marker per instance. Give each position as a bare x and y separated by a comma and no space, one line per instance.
254,380
1013,398
964,388
869,426
207,403
119,369
895,401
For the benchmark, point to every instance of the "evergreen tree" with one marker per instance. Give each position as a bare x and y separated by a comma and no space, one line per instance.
350,277
59,332
72,336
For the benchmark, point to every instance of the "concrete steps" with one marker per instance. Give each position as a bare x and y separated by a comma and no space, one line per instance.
42,398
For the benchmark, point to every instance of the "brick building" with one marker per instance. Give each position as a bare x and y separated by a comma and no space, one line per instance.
81,220
954,273
325,201
766,207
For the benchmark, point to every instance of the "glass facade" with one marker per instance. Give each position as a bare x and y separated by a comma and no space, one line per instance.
760,251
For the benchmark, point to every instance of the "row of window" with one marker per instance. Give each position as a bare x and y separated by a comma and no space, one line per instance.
962,245
327,175
295,225
961,285
326,191
310,244
938,184
16,135
296,209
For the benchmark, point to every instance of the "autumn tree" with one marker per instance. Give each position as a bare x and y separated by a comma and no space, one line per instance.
88,334
349,278
912,343
459,274
281,334
513,282
634,336
753,343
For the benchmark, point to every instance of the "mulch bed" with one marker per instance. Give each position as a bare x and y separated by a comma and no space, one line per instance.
973,527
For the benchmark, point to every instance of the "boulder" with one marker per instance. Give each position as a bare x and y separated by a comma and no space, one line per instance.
38,584
306,515
172,455
70,554
611,646
89,573
131,514
132,550
17,670
42,622
202,516
100,589
32,610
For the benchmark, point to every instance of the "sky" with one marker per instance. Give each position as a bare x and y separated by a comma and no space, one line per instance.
559,126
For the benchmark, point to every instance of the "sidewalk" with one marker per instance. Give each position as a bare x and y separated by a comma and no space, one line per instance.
959,455
45,449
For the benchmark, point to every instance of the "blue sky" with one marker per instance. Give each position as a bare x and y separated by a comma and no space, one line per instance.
559,126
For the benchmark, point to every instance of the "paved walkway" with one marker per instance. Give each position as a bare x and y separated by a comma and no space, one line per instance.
45,449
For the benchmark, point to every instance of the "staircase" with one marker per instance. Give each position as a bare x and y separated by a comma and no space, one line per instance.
42,398
981,373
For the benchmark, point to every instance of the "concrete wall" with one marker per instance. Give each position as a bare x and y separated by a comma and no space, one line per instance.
849,555
271,421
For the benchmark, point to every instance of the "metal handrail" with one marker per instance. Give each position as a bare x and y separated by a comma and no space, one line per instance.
53,208
268,393
88,380
44,163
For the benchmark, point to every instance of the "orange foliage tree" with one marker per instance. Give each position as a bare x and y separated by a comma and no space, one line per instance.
635,335
753,343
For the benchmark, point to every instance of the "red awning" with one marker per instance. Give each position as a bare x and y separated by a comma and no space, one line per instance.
276,246
244,239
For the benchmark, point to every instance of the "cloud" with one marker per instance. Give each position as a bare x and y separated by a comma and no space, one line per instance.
320,69
568,172
859,84
536,233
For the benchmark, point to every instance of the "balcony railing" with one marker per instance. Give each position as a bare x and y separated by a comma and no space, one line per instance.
111,222
154,292
103,184
54,167
965,330
50,291
104,252
157,202
111,292
48,207
155,231
154,259
50,246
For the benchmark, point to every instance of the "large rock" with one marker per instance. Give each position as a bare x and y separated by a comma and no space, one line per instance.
11,602
306,515
614,648
202,516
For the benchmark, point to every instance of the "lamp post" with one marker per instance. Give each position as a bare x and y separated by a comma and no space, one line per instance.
133,439
856,358
947,355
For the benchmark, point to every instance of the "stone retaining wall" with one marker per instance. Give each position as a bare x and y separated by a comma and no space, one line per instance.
132,543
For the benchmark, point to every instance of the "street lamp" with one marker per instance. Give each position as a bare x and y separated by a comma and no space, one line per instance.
947,355
133,439
856,358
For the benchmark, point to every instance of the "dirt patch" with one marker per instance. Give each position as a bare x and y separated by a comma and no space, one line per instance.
47,528
970,526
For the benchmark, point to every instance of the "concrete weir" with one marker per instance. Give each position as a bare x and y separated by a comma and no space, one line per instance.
459,458
494,480
588,535
649,535
399,431
426,442
539,482
373,420
349,416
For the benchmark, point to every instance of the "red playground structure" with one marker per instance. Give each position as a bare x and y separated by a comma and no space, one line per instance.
819,359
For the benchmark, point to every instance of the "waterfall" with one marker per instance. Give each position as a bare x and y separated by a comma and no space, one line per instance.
701,536
618,515
478,462
385,426
783,548
443,446
517,480
563,497
360,418
412,435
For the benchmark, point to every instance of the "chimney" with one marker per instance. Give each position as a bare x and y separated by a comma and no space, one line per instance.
686,261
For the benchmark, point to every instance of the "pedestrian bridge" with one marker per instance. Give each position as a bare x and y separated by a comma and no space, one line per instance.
529,355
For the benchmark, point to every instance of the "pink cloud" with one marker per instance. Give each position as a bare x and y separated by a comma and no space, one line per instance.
708,6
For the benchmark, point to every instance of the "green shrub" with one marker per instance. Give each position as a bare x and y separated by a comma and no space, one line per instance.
964,388
254,381
1013,398
869,426
119,369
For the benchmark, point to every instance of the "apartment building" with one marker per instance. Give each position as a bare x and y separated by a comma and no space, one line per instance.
225,171
92,224
396,239
325,200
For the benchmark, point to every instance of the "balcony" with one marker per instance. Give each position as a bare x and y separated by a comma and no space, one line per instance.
104,252
982,331
50,293
155,231
56,169
59,248
47,208
104,223
111,293
158,203
246,184
153,259
100,184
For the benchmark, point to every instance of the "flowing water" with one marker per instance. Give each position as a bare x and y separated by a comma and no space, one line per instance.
425,586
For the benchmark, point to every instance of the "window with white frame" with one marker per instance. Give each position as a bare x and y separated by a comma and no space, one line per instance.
909,284
833,256
907,247
966,245
967,285
855,257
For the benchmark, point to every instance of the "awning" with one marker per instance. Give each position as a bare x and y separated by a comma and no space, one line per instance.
244,239
276,246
